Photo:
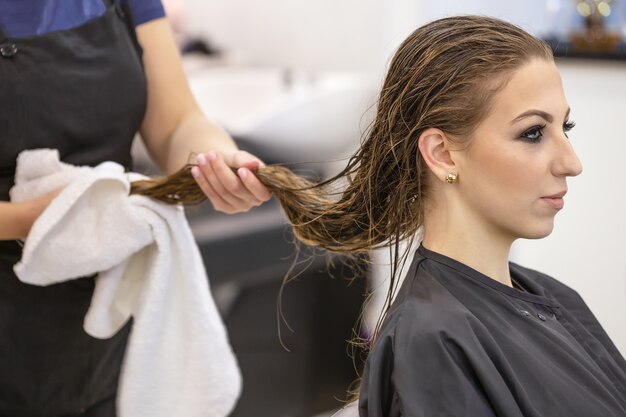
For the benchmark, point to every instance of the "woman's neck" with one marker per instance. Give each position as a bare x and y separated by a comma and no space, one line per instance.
477,247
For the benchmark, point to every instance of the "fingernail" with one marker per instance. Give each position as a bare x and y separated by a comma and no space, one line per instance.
201,159
243,173
195,171
213,155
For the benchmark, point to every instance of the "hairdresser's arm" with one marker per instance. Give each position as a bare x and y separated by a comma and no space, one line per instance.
16,219
174,128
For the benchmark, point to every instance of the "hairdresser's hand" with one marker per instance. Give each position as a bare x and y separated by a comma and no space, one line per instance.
228,191
34,208
21,216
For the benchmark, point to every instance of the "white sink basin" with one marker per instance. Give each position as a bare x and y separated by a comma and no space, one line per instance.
295,116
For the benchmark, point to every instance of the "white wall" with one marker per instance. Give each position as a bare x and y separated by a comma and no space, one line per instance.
530,14
305,34
344,34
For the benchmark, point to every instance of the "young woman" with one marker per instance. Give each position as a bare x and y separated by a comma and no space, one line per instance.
77,77
469,143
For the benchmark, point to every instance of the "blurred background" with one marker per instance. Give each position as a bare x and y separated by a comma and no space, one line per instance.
295,81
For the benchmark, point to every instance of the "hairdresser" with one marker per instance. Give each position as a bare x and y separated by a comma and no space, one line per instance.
84,78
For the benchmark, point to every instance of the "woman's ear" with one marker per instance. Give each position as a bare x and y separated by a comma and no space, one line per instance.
434,147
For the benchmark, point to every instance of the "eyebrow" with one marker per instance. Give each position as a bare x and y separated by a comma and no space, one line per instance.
534,112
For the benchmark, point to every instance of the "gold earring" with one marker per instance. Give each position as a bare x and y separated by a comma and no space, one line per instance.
451,178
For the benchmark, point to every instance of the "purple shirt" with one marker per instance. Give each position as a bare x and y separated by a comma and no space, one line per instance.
35,17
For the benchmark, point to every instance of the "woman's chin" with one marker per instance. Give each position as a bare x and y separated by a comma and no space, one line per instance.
538,232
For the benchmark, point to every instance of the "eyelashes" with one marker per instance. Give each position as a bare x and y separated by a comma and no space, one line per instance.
568,125
535,133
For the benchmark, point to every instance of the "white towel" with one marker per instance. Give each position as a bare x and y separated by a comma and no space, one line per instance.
178,361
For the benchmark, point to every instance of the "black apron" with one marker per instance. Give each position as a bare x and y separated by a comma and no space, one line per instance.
81,91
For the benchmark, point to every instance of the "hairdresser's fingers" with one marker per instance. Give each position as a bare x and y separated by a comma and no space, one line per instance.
243,159
247,164
226,183
253,185
218,202
232,189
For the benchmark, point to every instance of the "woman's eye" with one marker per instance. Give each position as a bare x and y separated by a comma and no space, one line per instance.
534,134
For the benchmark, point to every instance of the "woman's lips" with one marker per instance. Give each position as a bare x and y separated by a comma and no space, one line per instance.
555,200
556,203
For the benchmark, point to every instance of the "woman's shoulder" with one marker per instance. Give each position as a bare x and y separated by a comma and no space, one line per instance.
572,307
551,286
426,308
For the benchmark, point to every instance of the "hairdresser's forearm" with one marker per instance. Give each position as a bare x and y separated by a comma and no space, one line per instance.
173,126
16,219
195,134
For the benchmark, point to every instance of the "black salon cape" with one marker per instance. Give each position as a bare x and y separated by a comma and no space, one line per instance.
457,343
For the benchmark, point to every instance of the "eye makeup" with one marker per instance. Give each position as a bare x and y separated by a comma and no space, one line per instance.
535,133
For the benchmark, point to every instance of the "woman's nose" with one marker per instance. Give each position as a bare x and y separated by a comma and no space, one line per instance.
567,163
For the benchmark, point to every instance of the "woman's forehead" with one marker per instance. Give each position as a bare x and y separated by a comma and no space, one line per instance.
534,87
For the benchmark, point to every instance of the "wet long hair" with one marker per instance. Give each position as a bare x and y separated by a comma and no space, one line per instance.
444,75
